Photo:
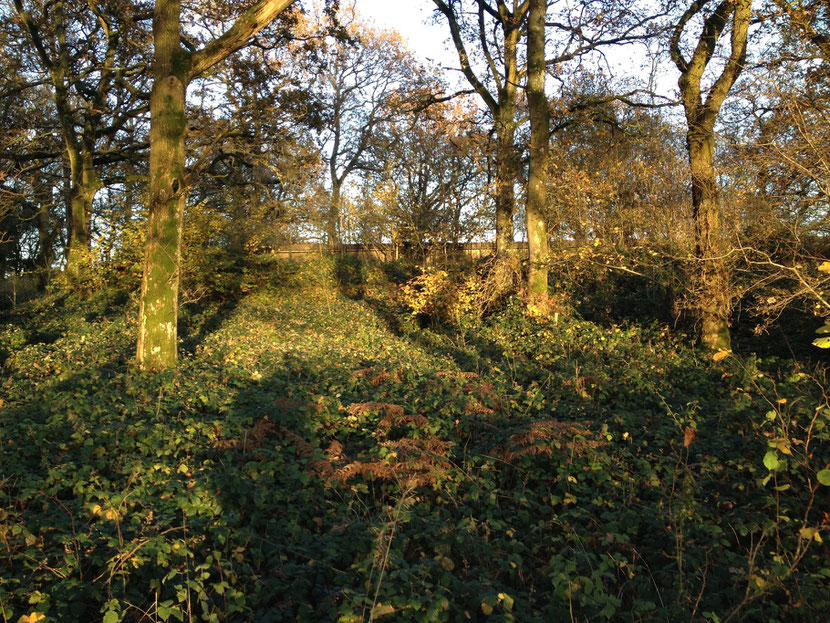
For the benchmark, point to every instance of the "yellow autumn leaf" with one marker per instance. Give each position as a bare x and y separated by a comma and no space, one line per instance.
824,267
112,514
721,355
31,618
783,445
382,610
810,534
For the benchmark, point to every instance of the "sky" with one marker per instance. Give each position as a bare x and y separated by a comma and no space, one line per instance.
429,41
412,19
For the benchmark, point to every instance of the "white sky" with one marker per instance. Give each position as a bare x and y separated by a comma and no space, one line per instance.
413,20
429,41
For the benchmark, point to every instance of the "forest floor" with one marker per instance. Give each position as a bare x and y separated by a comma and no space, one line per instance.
319,455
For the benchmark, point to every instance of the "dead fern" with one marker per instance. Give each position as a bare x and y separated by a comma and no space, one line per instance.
545,437
474,407
390,421
377,376
415,462
362,408
251,439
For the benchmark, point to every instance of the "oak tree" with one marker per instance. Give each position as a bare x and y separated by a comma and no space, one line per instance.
711,281
174,67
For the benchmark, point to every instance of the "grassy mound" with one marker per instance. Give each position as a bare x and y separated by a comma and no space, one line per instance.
320,456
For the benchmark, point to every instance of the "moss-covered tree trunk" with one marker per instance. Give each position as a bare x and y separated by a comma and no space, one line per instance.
537,232
506,153
710,278
158,308
84,185
710,275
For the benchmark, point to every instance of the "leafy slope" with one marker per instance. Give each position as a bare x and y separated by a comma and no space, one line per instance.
318,457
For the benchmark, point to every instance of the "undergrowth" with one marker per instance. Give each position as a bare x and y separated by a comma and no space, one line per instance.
321,456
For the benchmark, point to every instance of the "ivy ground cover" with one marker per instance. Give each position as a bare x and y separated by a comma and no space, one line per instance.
320,456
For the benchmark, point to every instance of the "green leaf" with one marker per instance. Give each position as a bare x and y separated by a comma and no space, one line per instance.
824,477
823,329
111,617
771,460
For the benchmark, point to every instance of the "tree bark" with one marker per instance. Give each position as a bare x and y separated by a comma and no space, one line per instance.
506,153
333,215
84,185
46,233
537,233
710,277
505,177
158,307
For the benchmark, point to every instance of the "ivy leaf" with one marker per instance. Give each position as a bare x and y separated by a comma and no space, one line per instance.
111,617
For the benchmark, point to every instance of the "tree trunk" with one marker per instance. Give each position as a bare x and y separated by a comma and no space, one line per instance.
333,215
537,233
85,184
506,153
710,276
502,107
158,308
46,234
505,179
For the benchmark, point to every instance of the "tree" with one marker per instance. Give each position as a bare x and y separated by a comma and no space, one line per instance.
363,82
608,169
432,189
503,72
778,139
174,67
31,187
86,50
251,146
812,19
486,35
537,101
711,281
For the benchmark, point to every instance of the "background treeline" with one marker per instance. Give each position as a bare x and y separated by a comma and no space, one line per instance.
326,129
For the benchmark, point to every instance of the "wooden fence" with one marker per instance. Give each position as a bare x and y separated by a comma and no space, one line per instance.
431,254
